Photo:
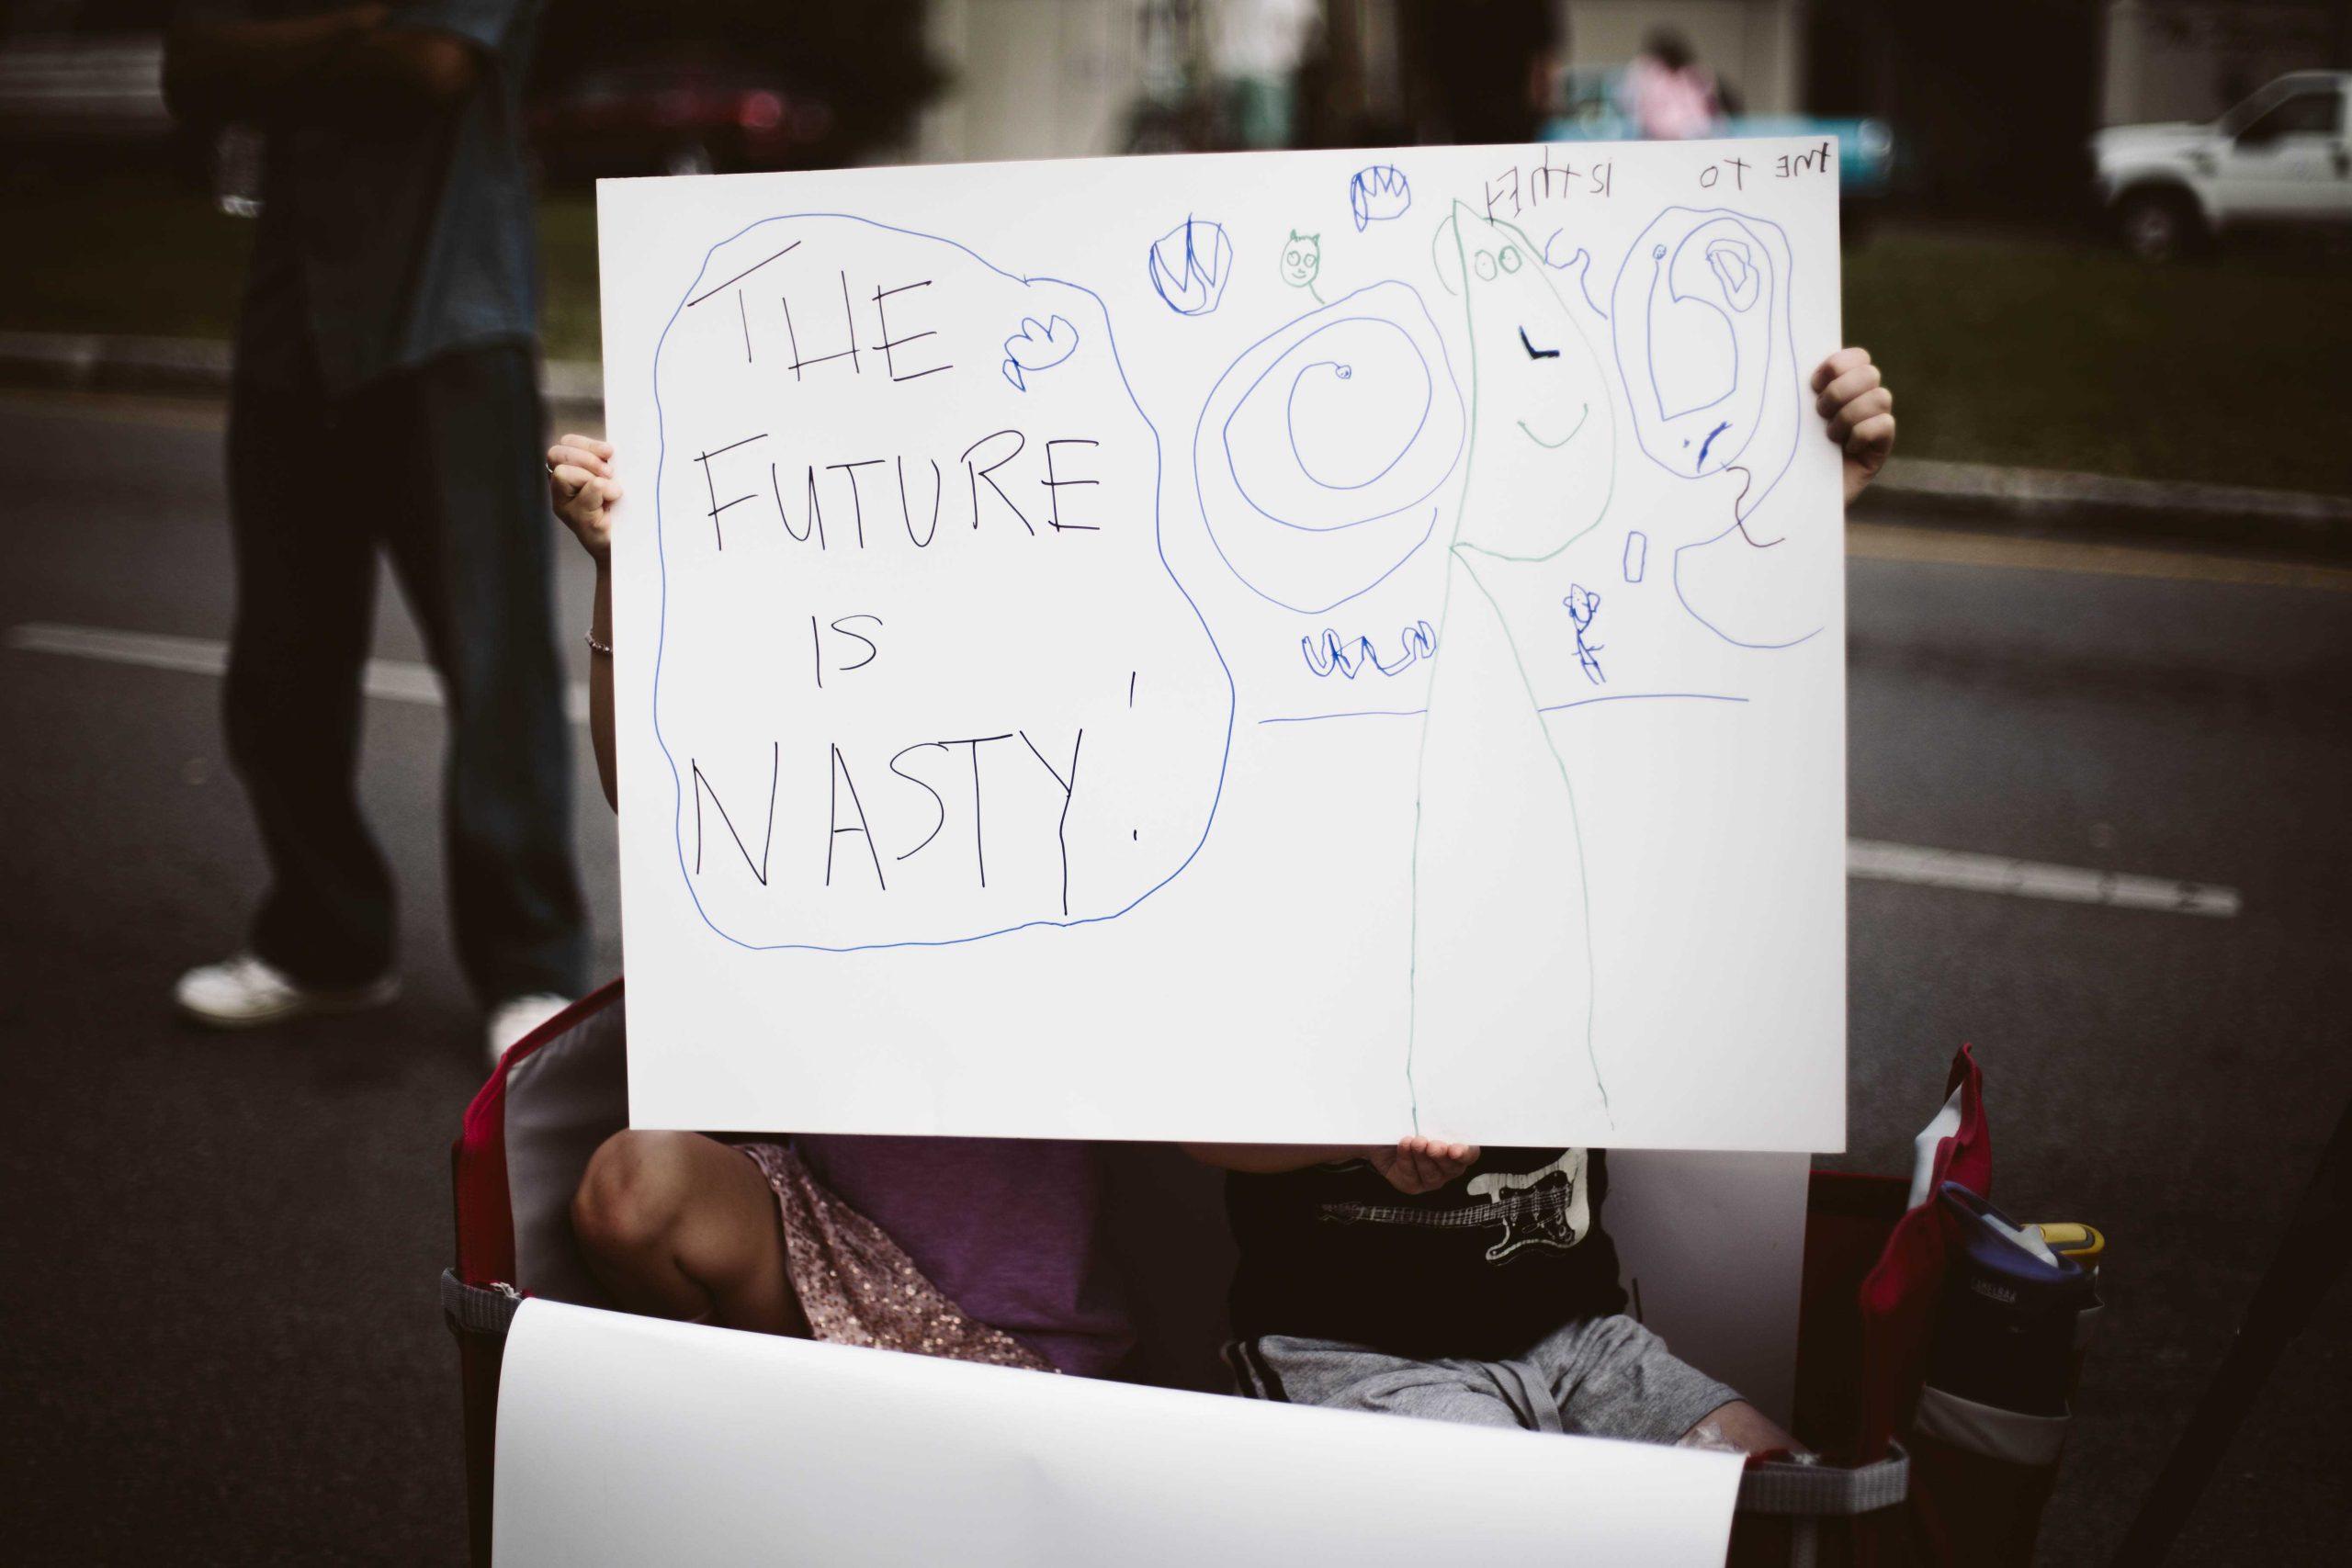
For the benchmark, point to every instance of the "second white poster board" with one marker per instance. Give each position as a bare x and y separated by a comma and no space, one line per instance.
633,1440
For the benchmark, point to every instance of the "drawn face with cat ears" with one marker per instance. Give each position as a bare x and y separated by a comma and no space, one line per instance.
1302,259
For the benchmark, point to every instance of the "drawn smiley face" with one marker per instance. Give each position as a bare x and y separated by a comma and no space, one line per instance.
1544,436
1555,405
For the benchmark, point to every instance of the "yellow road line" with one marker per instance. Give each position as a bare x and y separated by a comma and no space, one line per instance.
1935,546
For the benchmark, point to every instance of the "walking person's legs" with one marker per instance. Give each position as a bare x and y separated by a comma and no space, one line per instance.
469,537
306,574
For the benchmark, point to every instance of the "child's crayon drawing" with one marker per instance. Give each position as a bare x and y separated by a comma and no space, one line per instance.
1192,699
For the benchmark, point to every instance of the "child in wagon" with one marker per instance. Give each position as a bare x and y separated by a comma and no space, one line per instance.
1482,1290
979,1249
1439,1279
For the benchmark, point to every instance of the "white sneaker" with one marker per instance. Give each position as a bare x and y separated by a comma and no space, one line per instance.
244,991
517,1016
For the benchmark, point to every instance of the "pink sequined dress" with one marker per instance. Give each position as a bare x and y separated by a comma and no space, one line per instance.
858,1287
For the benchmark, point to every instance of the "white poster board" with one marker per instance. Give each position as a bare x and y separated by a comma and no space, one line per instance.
1711,1251
633,1440
1290,648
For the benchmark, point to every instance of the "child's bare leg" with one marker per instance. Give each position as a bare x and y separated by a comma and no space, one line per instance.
1741,1426
676,1225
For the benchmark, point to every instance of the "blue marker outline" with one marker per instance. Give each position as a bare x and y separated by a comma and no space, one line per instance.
1013,364
1212,280
1377,180
1428,402
1700,466
1662,268
1776,347
1346,372
1452,466
1547,707
1350,660
1584,272
1159,545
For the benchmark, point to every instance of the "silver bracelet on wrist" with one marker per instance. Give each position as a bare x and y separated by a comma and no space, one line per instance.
594,647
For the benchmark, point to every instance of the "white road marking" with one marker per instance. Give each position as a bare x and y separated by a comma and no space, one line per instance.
2034,879
395,679
405,682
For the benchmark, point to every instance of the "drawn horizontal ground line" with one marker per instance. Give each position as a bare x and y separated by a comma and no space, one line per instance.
1548,708
405,682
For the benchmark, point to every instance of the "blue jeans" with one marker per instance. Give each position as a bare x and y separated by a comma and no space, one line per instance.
440,468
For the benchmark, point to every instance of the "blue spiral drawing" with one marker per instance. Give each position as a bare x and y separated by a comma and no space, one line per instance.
1321,451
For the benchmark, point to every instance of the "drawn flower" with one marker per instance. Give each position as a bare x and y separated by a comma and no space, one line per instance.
1189,266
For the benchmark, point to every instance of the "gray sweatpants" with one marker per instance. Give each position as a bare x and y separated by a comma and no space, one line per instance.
1602,1376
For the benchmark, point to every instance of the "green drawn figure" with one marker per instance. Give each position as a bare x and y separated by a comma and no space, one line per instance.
1543,441
1501,938
1303,261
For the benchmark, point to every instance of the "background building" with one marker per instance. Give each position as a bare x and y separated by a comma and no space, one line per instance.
1991,102
2192,59
1035,78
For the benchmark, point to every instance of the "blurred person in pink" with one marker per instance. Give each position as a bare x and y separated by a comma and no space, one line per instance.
1668,94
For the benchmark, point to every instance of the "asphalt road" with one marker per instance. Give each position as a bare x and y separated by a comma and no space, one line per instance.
218,1334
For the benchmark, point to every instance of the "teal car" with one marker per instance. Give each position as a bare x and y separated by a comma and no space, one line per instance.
1593,111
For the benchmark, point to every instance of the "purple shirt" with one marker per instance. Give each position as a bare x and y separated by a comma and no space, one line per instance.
1007,1227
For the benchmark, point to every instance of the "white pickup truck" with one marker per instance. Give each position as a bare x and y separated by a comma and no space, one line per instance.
2280,158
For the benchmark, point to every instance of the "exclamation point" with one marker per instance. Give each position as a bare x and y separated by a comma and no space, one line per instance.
1134,834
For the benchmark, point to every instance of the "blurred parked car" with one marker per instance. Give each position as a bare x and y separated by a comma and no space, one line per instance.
674,119
1591,100
2281,158
68,99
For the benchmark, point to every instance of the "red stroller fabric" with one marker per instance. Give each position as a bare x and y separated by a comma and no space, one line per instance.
531,1128
1900,1296
486,1196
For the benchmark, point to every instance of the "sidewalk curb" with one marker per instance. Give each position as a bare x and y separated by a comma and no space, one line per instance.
104,361
110,363
1914,491
1922,491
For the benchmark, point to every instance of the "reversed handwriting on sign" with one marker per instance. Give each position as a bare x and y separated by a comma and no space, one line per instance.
1555,176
